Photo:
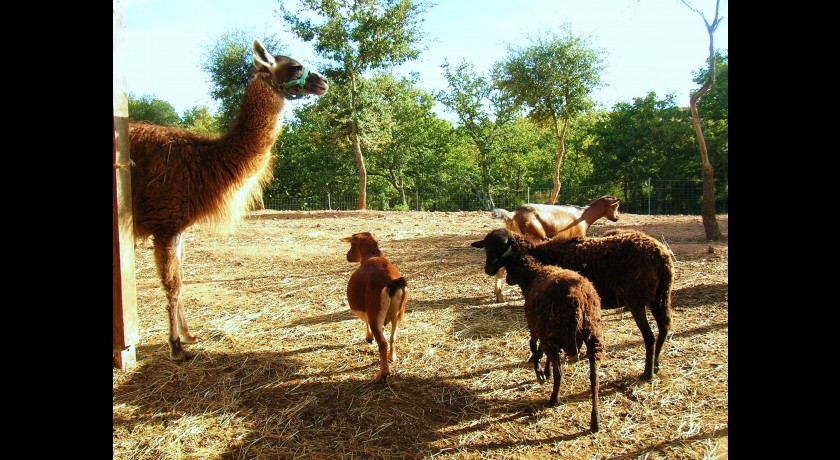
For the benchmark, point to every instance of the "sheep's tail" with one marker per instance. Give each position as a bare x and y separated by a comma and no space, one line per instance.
393,303
398,283
661,307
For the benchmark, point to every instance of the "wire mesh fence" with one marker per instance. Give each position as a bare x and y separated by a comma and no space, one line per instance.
649,197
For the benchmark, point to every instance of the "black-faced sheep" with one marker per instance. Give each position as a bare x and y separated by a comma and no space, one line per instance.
563,310
627,268
377,294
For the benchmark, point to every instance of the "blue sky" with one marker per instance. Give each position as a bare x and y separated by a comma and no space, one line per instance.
651,45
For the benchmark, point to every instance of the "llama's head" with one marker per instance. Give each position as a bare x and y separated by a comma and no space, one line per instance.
288,76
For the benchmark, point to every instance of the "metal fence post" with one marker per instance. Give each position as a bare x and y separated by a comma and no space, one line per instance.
650,192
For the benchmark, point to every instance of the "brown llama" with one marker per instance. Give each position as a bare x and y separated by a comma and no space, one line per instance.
180,178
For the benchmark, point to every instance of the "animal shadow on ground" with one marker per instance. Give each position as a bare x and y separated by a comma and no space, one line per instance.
281,412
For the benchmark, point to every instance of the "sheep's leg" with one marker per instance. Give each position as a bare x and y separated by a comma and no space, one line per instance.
663,323
594,418
497,285
384,369
392,351
641,322
536,356
400,299
364,317
547,368
554,357
377,322
169,272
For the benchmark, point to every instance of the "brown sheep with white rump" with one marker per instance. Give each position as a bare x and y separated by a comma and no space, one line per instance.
376,294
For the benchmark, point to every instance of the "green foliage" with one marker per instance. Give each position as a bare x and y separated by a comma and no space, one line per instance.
359,35
553,77
150,108
200,120
483,115
649,138
229,64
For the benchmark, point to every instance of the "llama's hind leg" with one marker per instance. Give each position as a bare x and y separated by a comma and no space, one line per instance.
169,272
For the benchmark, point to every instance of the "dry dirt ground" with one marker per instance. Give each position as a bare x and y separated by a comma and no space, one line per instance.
282,369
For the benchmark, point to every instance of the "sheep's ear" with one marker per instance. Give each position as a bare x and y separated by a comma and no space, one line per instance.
477,244
262,58
347,239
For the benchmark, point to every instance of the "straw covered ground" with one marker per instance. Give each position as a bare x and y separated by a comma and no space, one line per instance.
282,369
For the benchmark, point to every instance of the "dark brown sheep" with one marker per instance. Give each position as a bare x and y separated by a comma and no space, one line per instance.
180,178
377,294
563,310
627,268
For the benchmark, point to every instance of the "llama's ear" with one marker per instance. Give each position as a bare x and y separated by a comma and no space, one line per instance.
262,58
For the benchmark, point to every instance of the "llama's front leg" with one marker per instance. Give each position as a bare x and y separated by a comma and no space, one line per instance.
169,272
183,328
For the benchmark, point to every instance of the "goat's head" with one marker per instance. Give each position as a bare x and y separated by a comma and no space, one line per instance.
610,205
496,245
362,246
288,76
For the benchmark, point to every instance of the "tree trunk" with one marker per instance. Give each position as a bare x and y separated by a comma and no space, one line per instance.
561,139
710,223
360,165
357,147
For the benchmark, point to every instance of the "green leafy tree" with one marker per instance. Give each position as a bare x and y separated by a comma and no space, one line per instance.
710,223
150,108
229,64
200,120
483,115
357,36
413,131
648,138
307,168
552,79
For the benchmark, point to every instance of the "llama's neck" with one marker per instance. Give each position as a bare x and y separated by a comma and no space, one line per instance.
257,125
242,158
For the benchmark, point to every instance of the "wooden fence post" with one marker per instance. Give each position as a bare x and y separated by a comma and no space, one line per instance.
125,287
